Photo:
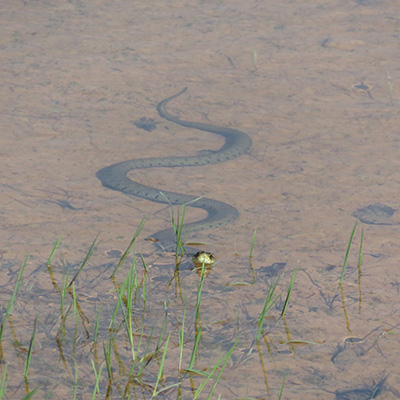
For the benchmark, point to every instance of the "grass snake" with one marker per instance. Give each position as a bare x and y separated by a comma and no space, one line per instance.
219,213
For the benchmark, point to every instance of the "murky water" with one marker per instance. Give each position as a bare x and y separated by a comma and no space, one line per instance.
316,87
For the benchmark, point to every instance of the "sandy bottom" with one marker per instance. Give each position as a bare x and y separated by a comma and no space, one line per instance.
314,85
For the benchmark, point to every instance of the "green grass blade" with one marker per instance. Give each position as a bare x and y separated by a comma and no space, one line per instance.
120,291
160,339
195,346
161,364
224,358
178,226
283,384
295,341
75,320
29,395
197,316
290,290
269,302
138,351
76,379
11,301
107,356
199,291
164,389
88,255
4,382
144,278
53,252
179,243
121,261
252,243
228,356
146,355
347,254
96,327
64,291
97,375
182,333
30,350
144,263
126,310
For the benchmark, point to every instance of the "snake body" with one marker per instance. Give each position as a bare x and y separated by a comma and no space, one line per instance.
219,213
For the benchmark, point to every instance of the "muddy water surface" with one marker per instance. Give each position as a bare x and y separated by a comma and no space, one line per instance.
314,85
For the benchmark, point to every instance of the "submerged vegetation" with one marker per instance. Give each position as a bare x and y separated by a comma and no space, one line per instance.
110,341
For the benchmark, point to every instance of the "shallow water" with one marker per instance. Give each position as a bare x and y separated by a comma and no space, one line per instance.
314,85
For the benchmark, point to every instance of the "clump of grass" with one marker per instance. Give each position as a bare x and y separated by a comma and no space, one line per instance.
10,306
125,304
177,224
145,356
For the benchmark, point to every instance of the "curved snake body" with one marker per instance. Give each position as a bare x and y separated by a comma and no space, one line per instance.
219,213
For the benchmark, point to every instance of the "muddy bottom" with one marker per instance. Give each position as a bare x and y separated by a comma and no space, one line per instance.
314,86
